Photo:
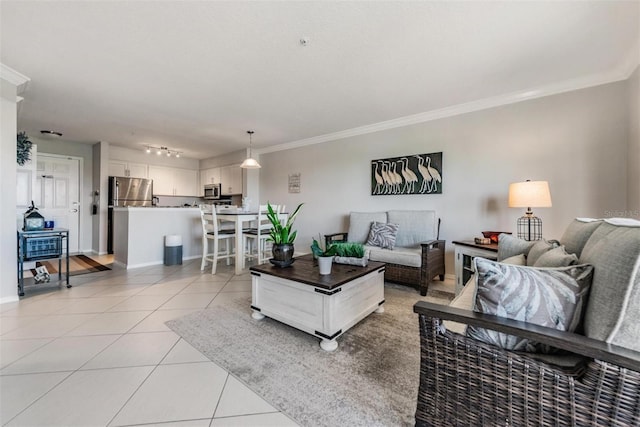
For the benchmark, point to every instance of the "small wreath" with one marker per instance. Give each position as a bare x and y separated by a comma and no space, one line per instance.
23,148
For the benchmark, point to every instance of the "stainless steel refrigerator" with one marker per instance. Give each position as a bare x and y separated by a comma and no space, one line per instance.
124,192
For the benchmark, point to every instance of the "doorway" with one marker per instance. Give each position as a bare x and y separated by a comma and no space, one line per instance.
56,193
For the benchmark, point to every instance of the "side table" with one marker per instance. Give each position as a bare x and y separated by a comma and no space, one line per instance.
40,245
465,252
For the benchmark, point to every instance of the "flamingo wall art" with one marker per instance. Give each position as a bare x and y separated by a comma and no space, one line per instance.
413,174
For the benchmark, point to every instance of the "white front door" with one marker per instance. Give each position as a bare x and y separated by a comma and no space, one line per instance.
56,194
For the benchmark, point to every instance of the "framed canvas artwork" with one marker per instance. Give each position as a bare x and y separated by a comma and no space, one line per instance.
413,174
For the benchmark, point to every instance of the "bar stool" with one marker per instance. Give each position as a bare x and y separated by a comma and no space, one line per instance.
211,231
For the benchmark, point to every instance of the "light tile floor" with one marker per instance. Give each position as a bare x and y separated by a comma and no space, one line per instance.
99,354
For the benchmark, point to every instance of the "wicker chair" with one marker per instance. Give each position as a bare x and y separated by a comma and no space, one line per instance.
465,382
417,239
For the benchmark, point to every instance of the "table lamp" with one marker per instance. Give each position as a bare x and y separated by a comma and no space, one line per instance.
529,194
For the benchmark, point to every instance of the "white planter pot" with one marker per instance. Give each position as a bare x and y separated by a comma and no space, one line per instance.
324,264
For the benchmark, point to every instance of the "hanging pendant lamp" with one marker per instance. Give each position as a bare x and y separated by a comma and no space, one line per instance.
250,162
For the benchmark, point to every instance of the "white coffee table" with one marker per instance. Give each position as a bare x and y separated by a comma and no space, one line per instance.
324,306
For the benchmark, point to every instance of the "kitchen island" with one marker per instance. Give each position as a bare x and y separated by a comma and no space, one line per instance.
138,239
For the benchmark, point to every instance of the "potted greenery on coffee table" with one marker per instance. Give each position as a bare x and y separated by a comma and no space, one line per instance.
282,237
351,253
324,256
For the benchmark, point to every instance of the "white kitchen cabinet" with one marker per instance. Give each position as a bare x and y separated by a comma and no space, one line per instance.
122,168
231,179
210,176
173,181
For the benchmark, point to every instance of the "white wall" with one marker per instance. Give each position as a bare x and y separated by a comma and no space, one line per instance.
8,248
576,141
85,151
633,159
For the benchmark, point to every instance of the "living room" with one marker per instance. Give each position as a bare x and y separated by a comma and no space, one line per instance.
579,132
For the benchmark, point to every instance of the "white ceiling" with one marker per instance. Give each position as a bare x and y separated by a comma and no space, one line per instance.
195,75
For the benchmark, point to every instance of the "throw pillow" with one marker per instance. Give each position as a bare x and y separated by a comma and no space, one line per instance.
556,257
383,235
467,297
577,234
509,246
540,247
515,260
544,296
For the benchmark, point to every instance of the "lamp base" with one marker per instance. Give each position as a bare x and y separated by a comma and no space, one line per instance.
529,227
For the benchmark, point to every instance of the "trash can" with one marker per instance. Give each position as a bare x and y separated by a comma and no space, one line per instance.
173,249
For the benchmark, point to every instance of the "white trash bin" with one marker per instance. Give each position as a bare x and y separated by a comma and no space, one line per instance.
173,249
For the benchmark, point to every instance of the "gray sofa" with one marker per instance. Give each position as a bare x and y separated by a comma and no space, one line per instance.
465,381
418,254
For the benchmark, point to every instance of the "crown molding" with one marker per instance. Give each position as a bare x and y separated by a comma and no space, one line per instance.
620,73
19,80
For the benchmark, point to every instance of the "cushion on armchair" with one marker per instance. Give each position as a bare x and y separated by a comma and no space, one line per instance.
509,246
466,299
577,234
539,248
360,224
556,257
382,235
415,227
551,297
614,304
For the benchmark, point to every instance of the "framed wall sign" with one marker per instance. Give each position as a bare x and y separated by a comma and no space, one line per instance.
412,174
294,182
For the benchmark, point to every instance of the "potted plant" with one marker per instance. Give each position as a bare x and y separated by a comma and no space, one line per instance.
282,236
351,253
324,256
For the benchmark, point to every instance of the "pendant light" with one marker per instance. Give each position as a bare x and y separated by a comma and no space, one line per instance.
250,162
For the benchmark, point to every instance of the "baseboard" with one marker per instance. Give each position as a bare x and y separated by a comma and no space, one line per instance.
150,264
13,298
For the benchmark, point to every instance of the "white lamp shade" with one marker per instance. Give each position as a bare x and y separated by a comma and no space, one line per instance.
250,163
529,194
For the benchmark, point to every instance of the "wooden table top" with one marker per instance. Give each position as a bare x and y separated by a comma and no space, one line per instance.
304,271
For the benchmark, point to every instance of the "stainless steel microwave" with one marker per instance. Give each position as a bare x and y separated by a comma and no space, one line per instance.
212,191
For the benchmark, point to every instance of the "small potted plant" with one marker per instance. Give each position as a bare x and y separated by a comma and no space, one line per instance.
324,256
282,236
351,253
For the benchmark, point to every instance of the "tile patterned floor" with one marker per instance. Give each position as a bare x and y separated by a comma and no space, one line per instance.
99,354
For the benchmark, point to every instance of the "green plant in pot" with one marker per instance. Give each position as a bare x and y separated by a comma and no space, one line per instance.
282,236
324,256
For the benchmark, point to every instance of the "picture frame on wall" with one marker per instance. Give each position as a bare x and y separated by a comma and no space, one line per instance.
411,174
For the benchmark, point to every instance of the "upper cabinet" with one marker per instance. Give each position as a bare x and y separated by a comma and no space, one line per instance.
231,179
210,176
133,170
174,181
229,176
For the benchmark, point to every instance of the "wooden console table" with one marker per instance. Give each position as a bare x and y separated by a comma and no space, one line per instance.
324,306
40,245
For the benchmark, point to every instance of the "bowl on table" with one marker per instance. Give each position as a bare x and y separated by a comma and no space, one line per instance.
493,235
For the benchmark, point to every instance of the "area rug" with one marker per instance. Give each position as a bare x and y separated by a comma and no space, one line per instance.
78,264
370,380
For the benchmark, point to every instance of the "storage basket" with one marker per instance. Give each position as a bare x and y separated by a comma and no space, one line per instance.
42,247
